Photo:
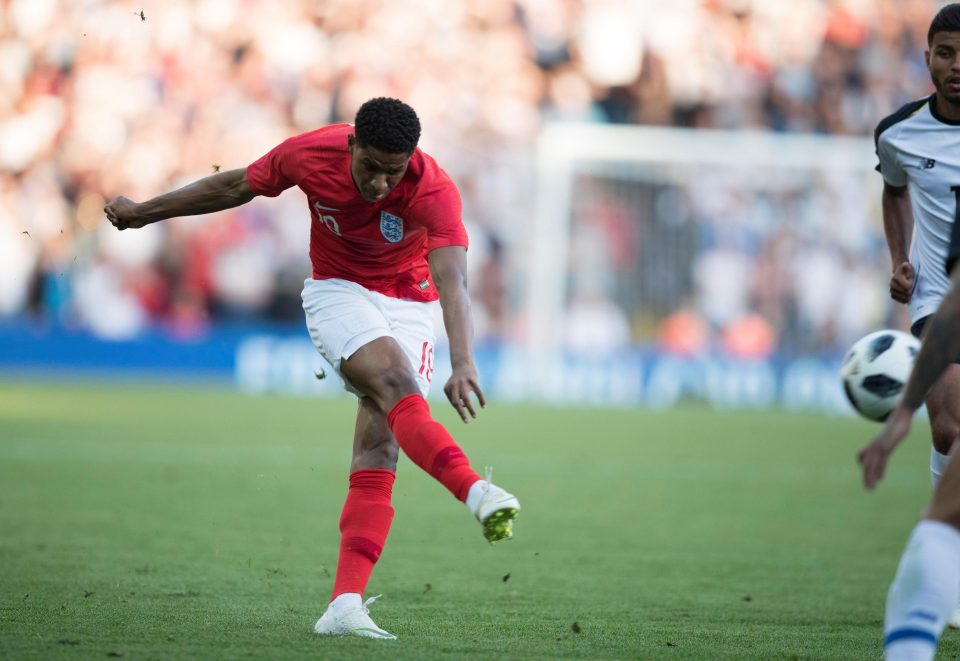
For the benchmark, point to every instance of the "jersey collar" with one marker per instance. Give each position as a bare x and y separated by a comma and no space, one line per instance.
933,111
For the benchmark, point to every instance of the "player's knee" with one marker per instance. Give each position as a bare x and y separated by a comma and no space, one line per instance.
944,427
391,385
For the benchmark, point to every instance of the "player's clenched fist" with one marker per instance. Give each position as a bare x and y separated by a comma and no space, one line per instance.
122,213
901,282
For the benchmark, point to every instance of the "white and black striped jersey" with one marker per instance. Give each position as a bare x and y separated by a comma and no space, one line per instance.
921,150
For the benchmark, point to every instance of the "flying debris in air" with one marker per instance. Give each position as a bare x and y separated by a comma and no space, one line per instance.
140,14
216,167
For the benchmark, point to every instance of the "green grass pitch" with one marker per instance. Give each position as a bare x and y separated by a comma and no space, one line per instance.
159,523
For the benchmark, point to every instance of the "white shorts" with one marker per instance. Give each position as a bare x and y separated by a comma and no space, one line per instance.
342,316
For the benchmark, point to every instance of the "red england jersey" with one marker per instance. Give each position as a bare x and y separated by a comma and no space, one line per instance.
380,245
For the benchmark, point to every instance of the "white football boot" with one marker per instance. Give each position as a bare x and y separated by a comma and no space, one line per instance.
351,621
494,508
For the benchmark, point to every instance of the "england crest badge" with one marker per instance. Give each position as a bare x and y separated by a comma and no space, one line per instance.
391,227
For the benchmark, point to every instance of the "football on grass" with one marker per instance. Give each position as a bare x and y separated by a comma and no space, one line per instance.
875,371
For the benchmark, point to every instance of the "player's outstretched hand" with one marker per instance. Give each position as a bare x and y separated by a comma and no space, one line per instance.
873,458
122,214
461,384
901,282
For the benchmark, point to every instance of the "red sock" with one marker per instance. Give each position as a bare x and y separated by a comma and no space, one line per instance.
364,525
430,446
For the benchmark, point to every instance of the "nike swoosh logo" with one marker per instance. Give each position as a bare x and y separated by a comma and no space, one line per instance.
382,634
320,206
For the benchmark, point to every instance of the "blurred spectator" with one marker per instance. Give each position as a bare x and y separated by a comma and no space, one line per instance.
594,325
750,336
98,100
684,333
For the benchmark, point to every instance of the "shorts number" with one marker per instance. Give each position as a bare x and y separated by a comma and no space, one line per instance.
426,361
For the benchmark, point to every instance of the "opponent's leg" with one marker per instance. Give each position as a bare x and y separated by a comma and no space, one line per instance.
943,407
364,525
381,370
926,588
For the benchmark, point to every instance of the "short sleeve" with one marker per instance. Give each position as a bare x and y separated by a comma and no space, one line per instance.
266,176
440,211
893,173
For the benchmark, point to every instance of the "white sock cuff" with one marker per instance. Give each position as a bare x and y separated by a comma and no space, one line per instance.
477,489
938,462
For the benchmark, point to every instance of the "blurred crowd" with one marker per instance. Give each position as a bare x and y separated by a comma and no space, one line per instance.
100,98
737,259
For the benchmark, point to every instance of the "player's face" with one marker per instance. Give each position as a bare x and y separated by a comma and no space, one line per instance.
943,60
375,173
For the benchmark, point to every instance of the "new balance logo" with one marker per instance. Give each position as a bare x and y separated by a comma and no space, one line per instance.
927,163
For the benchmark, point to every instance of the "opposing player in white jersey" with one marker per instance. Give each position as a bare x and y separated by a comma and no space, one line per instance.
919,151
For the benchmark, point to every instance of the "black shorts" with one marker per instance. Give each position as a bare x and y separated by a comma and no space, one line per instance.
917,331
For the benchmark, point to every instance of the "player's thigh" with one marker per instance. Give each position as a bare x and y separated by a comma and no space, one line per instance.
945,504
943,407
373,443
341,318
413,329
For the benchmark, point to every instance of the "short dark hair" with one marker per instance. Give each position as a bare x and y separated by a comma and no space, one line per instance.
389,125
946,20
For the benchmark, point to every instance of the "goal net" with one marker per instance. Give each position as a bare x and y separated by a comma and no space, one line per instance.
739,246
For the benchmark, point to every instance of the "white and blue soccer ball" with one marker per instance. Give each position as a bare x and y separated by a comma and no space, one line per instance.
875,371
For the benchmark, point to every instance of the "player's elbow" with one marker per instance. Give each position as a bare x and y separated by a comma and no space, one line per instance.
238,188
451,282
897,192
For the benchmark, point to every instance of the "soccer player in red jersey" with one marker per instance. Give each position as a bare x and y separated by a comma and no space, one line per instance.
387,245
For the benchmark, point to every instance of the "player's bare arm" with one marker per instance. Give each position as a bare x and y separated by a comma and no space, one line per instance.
217,192
448,265
898,227
941,344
